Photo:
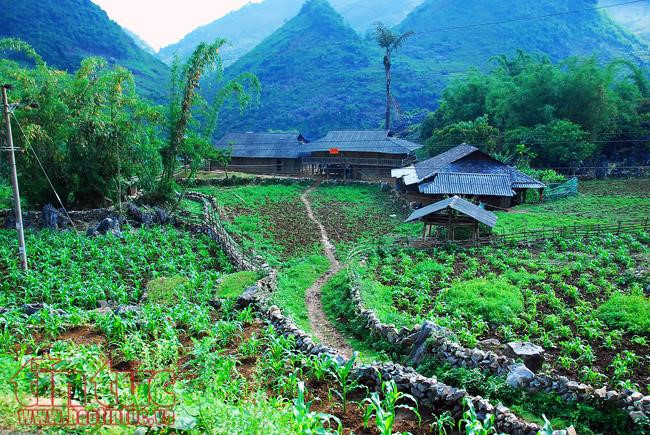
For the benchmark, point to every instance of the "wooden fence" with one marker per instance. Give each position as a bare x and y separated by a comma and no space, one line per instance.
537,235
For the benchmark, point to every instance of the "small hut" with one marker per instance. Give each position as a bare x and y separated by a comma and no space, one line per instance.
453,213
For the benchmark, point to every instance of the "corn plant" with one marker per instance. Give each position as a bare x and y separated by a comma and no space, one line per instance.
320,366
309,422
473,425
442,422
347,383
384,411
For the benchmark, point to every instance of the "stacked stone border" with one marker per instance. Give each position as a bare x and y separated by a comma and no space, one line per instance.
436,341
428,392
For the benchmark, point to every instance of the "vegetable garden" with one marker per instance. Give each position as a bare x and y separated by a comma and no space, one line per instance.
160,298
581,300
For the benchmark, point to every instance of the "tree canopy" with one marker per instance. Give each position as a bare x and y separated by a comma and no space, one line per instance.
91,132
566,113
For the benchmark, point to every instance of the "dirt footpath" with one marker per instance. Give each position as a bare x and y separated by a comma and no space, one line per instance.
321,327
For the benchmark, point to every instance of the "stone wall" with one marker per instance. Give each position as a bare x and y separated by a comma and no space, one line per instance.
212,227
428,392
431,340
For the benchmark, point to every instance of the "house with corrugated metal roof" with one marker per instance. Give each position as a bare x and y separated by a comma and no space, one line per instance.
359,154
467,172
264,153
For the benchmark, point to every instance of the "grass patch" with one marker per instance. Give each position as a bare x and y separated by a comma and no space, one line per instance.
293,280
497,301
379,298
339,310
580,210
234,284
164,290
637,187
628,312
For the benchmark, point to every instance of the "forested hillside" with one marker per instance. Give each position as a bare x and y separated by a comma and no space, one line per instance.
316,73
453,34
64,32
315,78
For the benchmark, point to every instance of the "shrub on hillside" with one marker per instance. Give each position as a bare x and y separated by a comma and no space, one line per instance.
628,312
497,301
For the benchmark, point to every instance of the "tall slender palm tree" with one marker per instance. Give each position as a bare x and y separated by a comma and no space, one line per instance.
390,42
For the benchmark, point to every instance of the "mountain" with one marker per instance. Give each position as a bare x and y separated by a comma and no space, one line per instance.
64,32
248,26
140,42
316,73
363,14
560,34
634,17
243,28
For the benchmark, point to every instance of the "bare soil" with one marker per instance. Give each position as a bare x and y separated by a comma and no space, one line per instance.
321,327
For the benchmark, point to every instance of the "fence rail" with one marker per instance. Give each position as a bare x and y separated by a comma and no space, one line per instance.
537,235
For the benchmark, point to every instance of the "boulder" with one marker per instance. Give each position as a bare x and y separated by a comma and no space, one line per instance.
31,309
531,354
519,376
50,217
420,344
108,225
247,298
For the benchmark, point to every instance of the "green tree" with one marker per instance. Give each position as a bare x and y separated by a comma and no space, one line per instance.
559,142
478,133
189,139
91,134
579,101
390,42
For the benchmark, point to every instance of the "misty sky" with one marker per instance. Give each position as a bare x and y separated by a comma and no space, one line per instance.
163,22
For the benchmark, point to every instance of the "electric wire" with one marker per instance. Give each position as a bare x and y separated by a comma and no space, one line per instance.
28,143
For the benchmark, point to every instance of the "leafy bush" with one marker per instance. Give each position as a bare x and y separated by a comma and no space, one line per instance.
233,285
495,300
629,312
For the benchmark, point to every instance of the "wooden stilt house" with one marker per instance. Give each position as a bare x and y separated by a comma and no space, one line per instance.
452,214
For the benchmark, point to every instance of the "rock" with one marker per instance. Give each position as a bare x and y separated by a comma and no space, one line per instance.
51,218
247,298
519,376
125,309
31,309
108,225
216,304
531,354
489,343
420,344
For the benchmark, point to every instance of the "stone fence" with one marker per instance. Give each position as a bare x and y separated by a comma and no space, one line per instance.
211,226
435,341
428,392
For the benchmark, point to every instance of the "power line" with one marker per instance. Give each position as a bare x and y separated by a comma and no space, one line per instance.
498,22
43,169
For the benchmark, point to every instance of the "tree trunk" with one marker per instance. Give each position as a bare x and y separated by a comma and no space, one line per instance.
387,66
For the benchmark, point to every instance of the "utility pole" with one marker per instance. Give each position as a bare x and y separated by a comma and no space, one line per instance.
14,180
